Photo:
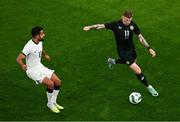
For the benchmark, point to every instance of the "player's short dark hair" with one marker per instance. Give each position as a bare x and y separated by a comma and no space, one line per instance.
36,30
128,13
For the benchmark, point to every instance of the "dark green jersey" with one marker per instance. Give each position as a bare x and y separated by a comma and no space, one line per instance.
123,34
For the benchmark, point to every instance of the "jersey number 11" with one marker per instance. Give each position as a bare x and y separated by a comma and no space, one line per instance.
126,33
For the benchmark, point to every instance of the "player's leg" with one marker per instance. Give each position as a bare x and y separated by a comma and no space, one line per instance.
112,62
57,84
56,80
141,77
37,75
139,74
50,85
120,60
49,89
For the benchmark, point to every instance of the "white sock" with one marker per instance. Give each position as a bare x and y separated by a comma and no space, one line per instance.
55,94
50,98
149,86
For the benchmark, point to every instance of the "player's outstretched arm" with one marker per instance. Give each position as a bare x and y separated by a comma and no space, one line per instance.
46,56
20,59
145,44
96,27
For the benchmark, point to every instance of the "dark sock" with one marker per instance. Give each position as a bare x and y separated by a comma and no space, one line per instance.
49,90
142,78
56,87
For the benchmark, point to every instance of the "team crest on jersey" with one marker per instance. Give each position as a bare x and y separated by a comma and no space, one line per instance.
119,27
127,62
132,27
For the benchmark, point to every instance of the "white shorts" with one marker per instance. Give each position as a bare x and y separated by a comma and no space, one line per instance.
38,73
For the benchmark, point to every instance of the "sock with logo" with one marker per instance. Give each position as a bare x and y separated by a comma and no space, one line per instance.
142,78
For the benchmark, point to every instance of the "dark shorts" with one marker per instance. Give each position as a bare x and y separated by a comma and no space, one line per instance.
127,57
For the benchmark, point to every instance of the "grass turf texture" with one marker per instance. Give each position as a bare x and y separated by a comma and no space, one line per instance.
90,91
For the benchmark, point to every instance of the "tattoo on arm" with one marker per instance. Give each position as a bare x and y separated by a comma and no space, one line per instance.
143,41
97,26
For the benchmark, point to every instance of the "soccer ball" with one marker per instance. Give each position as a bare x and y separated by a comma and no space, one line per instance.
135,98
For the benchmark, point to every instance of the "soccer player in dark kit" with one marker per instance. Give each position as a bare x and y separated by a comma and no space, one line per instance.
123,31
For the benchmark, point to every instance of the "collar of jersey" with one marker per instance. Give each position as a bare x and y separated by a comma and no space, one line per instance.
35,42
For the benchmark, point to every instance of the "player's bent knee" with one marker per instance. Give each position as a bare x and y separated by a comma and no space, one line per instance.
138,70
51,84
135,68
57,82
47,82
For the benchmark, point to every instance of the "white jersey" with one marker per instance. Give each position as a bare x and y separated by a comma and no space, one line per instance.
33,53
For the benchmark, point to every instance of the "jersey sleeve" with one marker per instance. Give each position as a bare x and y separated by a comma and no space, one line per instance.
136,29
27,49
110,25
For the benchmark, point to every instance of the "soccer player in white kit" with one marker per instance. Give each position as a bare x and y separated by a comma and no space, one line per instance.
36,71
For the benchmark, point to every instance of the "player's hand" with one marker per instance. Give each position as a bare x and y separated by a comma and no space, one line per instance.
24,67
86,28
47,57
152,52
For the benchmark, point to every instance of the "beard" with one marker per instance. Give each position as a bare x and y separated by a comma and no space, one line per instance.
41,40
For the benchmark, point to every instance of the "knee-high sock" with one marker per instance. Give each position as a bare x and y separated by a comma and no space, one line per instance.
55,93
142,78
49,93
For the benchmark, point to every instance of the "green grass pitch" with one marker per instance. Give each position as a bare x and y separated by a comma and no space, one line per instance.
90,91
